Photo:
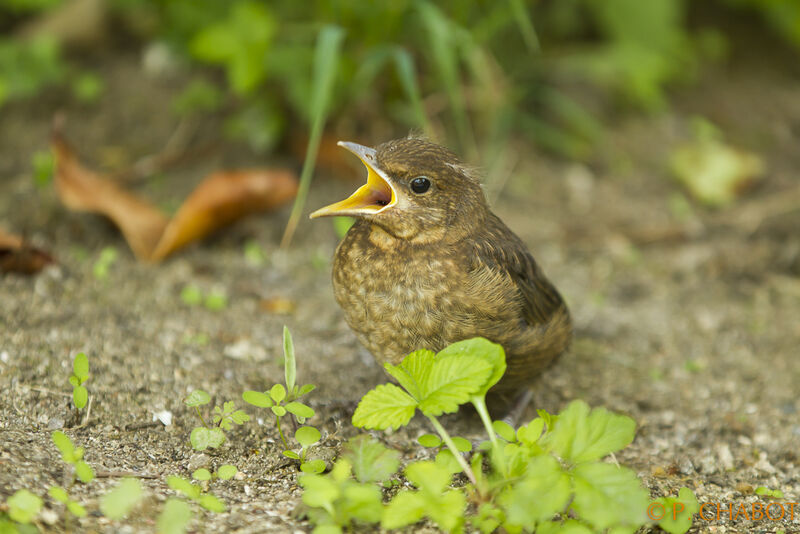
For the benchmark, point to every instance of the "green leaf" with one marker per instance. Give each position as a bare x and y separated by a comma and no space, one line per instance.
58,493
74,381
307,436
76,509
183,486
363,502
280,411
80,397
203,438
227,471
413,371
64,445
463,445
299,409
320,491
291,454
428,476
307,388
278,393
504,430
313,466
196,398
406,508
371,461
191,295
83,471
530,433
482,348
216,302
201,474
567,527
678,512
290,367
80,367
256,398
607,495
429,440
385,406
452,381
579,436
544,492
117,503
24,506
211,503
239,417
174,517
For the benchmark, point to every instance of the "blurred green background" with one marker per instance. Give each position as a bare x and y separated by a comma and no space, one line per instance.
468,73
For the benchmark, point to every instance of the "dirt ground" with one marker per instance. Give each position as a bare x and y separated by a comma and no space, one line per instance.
688,323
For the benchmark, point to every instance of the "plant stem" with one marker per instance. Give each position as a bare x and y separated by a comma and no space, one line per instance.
280,432
483,412
452,446
197,409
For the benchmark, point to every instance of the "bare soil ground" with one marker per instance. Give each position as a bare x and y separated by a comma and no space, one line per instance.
691,325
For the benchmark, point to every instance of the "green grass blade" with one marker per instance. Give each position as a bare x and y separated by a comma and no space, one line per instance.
326,61
404,66
443,49
525,26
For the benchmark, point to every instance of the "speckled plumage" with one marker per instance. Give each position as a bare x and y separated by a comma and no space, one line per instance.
441,267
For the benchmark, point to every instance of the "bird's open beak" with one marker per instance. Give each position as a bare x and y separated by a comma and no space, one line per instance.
371,198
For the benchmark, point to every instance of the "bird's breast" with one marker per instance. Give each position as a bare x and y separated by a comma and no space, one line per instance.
396,300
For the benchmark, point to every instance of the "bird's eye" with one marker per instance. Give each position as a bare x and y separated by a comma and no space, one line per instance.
420,184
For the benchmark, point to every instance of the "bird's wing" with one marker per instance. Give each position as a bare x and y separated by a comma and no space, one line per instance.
503,253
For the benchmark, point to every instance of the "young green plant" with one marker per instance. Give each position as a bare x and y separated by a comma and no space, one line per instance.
282,399
80,374
205,437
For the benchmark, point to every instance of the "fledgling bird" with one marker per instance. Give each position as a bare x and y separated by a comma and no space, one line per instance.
427,264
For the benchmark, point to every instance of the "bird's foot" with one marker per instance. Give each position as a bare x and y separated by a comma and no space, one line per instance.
518,408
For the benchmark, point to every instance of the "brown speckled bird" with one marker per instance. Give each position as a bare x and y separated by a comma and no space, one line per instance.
427,264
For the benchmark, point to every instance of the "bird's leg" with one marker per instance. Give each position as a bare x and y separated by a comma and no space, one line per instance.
520,404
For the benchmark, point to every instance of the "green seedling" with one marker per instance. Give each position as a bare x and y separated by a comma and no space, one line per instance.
210,437
678,511
80,374
73,507
766,492
191,295
254,254
102,266
117,503
87,87
307,437
73,456
282,399
174,517
224,472
23,507
195,493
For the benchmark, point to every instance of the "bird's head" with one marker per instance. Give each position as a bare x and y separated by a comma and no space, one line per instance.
416,191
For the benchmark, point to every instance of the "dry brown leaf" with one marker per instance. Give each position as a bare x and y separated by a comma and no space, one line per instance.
17,256
219,200
277,305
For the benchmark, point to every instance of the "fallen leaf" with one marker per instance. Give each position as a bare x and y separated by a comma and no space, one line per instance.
220,199
18,256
